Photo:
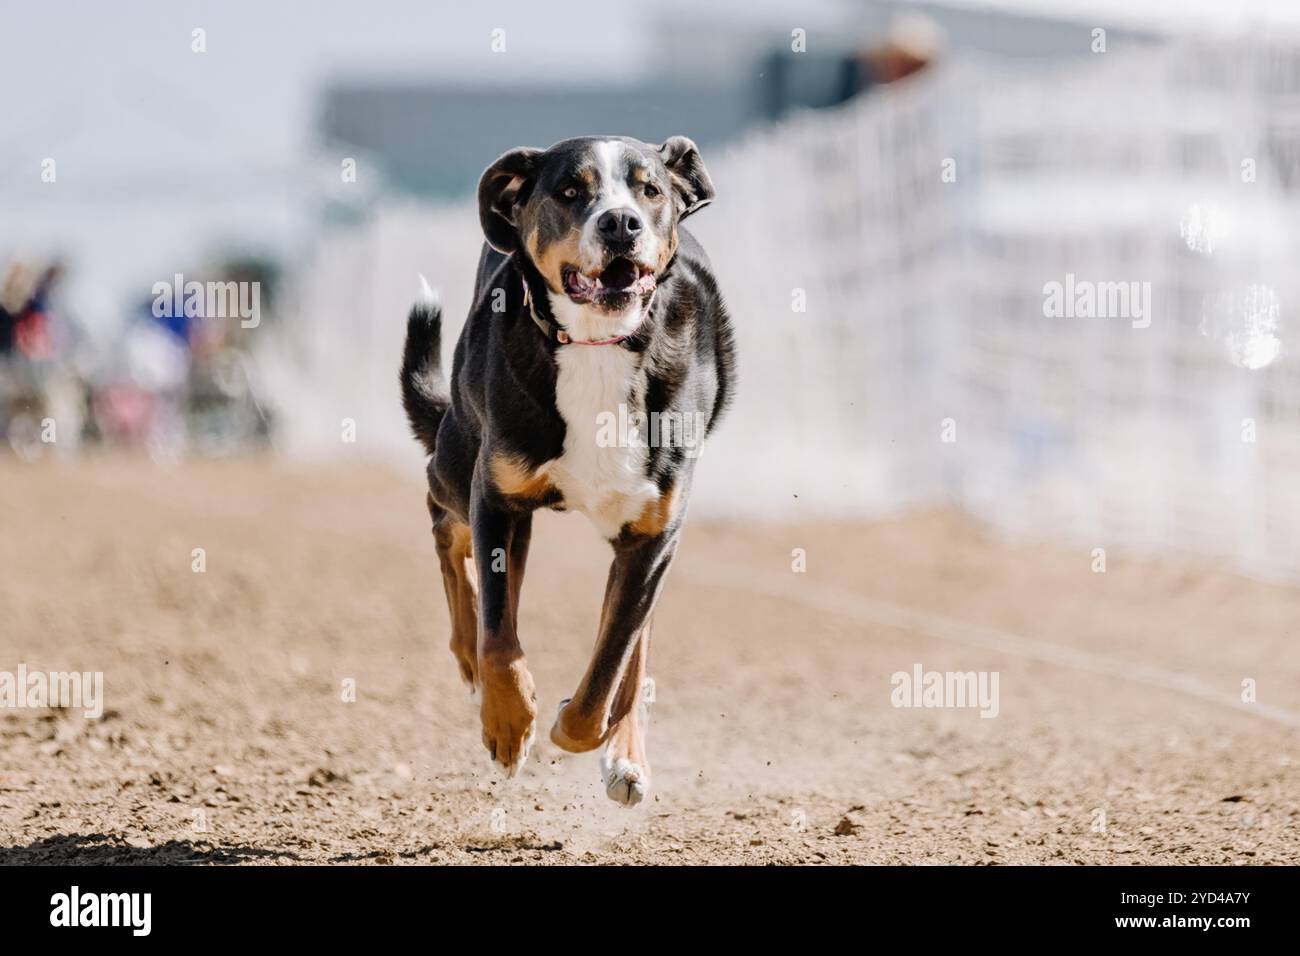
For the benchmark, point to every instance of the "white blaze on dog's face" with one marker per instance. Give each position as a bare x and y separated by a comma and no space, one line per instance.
598,220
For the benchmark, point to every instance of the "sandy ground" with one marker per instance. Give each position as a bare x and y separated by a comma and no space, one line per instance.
773,738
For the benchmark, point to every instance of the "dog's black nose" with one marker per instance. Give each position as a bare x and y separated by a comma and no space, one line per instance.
619,225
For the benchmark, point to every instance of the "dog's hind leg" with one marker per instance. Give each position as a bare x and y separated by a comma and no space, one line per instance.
624,766
459,579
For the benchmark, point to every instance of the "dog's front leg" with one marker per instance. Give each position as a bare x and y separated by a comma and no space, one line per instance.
509,706
608,705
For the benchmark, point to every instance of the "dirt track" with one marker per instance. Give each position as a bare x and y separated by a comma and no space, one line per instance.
773,738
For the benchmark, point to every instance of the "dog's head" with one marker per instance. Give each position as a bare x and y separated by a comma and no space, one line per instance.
596,217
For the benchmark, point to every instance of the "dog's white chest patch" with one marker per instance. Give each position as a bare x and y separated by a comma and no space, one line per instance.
603,479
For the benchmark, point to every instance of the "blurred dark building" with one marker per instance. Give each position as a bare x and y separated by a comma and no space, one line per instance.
434,139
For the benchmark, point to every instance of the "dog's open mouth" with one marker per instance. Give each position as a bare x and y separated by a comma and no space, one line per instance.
614,287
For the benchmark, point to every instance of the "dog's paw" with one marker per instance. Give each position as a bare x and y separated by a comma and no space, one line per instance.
623,765
509,742
506,753
573,734
625,782
509,715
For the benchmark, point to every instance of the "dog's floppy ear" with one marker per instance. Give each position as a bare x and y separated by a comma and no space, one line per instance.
691,180
498,192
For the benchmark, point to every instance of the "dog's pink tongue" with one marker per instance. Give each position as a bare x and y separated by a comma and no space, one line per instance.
579,284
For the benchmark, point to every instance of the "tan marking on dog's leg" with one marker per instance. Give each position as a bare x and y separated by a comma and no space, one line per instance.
624,766
635,578
513,479
573,735
656,514
455,555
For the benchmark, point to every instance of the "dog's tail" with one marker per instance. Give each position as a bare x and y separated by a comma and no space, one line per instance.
425,394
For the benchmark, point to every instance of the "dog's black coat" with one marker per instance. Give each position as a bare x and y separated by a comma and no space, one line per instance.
501,404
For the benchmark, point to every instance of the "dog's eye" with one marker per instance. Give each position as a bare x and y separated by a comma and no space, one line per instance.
569,192
651,190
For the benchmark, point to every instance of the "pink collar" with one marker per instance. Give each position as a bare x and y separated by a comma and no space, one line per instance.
562,337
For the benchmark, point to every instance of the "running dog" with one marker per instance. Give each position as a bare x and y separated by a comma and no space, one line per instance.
597,356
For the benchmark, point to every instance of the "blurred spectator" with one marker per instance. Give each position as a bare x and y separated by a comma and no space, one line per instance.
914,42
817,81
42,398
14,296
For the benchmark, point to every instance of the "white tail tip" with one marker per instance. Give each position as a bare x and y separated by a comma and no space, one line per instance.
427,294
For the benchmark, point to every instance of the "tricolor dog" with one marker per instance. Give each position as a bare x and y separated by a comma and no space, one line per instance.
591,305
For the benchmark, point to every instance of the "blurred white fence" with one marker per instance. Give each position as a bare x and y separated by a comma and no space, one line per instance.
922,368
